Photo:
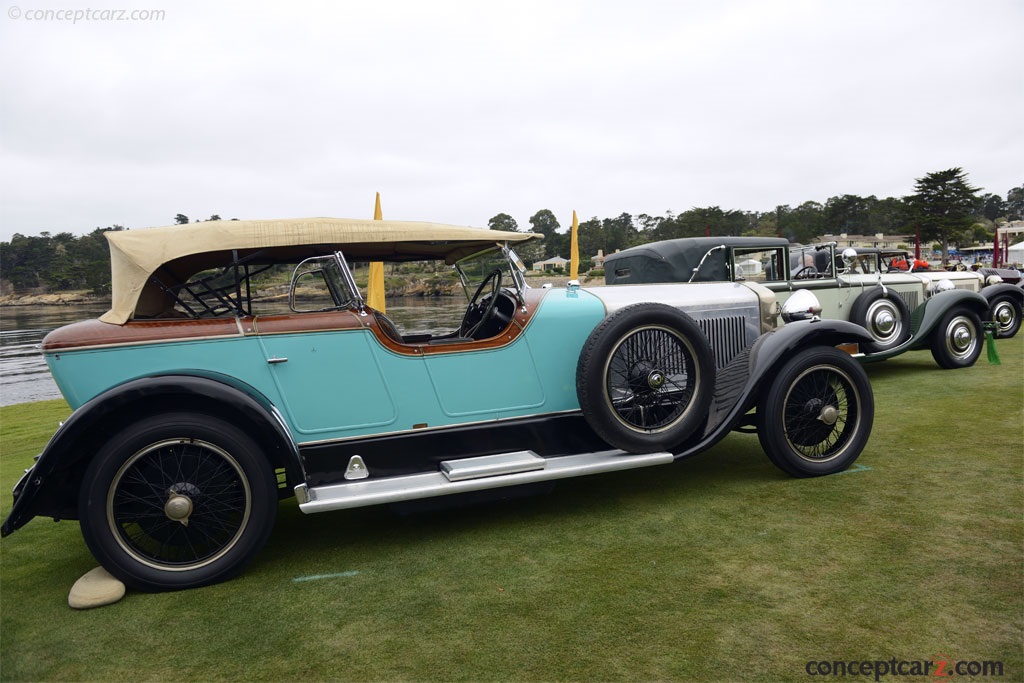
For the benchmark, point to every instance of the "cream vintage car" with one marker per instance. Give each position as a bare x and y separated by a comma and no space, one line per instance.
901,311
997,285
195,412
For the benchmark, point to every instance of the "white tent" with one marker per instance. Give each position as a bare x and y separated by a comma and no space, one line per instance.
1015,254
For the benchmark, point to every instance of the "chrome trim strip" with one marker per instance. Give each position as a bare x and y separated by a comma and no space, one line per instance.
151,342
431,484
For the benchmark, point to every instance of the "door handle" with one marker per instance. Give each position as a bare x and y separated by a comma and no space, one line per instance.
275,361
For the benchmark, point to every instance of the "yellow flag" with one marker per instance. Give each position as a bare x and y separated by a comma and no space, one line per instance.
375,288
574,249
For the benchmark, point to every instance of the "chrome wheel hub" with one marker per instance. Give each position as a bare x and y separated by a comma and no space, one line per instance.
179,507
829,415
884,323
961,339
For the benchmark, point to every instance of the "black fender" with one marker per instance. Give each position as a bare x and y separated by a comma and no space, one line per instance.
766,355
992,291
926,316
50,487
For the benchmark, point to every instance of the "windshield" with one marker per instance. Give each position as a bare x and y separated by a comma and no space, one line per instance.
473,270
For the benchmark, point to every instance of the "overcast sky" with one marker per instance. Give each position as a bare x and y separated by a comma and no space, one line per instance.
457,111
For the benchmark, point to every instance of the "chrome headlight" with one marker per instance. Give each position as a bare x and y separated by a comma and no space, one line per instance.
943,285
803,305
993,280
849,257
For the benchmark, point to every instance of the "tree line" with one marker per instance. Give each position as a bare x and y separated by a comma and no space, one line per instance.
944,209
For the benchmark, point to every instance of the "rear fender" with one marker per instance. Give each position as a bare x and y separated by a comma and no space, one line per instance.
50,488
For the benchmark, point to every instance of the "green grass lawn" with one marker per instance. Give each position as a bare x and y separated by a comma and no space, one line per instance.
719,568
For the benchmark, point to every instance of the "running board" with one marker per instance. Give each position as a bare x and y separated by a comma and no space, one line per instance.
470,474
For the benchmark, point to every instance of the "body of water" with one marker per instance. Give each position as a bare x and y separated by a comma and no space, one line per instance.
24,376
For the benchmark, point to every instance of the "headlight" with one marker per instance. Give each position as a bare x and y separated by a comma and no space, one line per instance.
803,305
940,286
993,280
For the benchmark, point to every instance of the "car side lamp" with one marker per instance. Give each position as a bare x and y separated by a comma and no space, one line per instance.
803,305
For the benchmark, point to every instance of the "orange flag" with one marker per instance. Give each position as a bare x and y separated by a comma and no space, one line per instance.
375,288
574,249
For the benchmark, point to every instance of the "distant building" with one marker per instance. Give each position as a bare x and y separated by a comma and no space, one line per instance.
878,240
551,263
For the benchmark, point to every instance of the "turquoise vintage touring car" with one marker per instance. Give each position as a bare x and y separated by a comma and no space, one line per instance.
195,412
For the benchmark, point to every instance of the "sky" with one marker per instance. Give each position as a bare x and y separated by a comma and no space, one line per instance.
457,111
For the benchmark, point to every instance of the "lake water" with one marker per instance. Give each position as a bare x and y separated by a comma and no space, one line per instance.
24,376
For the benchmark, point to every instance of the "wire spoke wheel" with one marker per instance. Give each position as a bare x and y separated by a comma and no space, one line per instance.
178,504
177,500
650,378
816,415
820,412
645,378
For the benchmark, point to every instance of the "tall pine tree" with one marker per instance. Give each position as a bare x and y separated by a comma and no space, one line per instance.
942,206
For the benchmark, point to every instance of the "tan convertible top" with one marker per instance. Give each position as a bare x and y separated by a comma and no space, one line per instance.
180,251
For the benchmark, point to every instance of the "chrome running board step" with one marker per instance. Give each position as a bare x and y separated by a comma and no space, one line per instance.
470,474
492,465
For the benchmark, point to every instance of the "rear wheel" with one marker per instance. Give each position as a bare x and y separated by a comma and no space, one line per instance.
1005,312
816,416
177,501
956,341
645,378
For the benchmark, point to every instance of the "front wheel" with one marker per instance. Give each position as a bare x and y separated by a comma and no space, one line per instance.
177,501
816,416
1005,312
956,341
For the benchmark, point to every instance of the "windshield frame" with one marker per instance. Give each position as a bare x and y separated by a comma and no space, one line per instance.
512,267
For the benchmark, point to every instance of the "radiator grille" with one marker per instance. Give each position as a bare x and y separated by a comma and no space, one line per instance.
726,335
910,298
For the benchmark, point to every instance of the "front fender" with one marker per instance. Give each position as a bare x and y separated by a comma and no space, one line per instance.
927,316
992,291
768,350
758,366
50,487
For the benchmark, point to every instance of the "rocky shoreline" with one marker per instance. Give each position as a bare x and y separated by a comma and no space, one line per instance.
74,298
414,289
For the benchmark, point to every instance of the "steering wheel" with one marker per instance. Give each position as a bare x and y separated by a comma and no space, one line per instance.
805,273
468,328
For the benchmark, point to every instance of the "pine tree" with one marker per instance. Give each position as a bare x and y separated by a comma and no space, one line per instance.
942,206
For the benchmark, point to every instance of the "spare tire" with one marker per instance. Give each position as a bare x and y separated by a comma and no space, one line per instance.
886,317
645,378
